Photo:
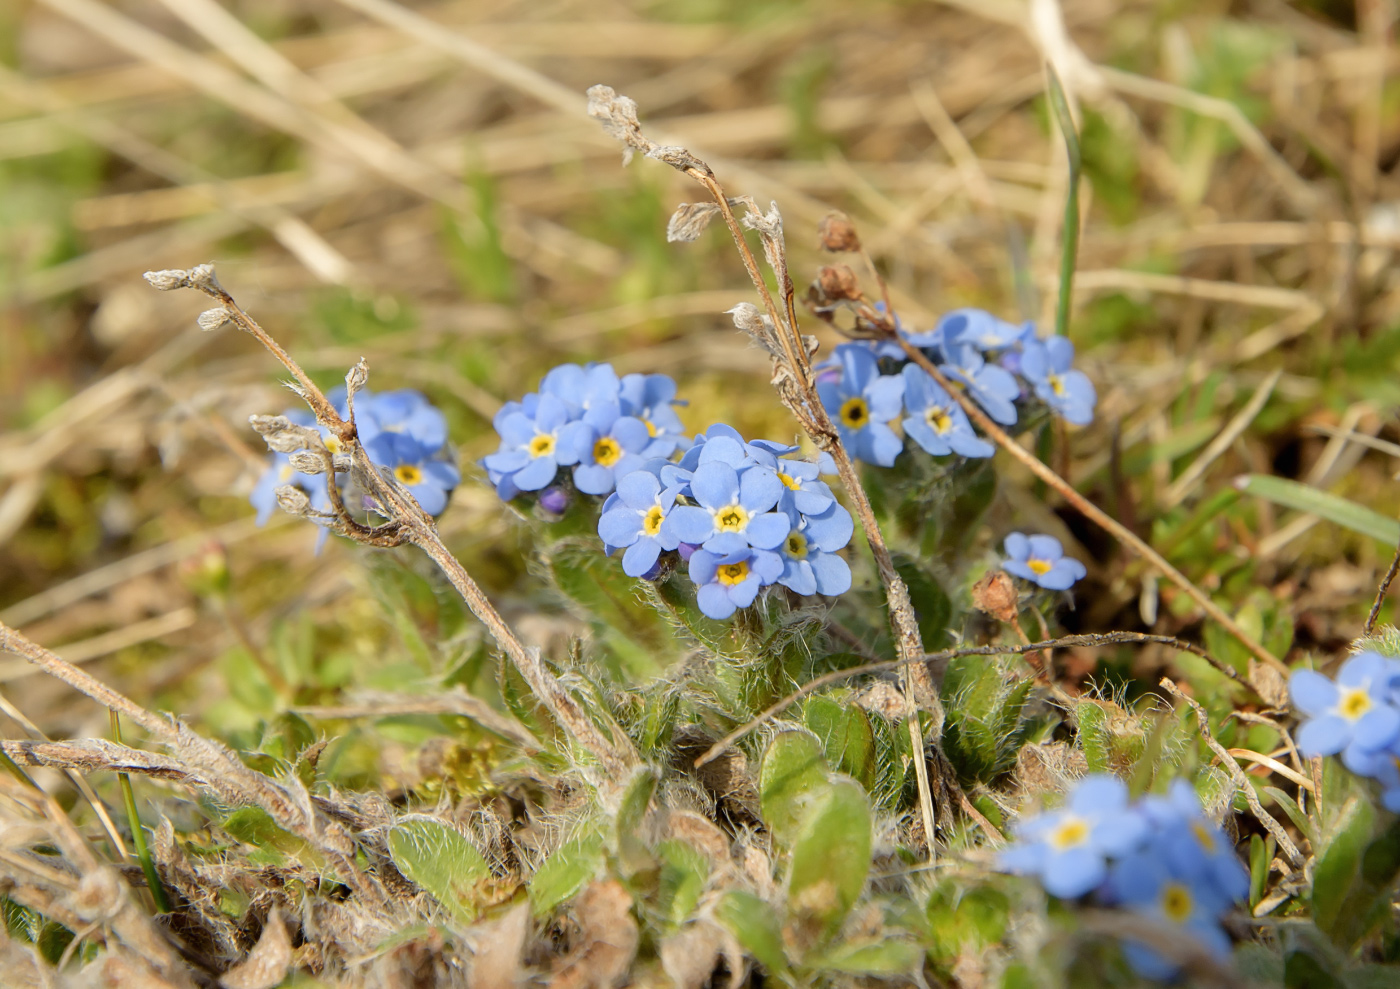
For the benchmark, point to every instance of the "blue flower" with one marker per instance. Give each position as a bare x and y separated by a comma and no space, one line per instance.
279,472
530,453
429,480
750,451
636,521
979,328
803,493
1041,560
936,422
1147,884
730,581
1046,365
1067,849
734,510
862,404
1192,845
1384,766
582,388
605,445
810,563
651,398
1353,716
403,411
992,387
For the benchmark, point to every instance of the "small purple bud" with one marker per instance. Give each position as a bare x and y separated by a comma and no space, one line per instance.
554,500
686,550
1011,361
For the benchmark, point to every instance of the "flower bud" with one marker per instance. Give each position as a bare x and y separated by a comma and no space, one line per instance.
996,595
293,500
168,279
307,462
554,500
837,281
212,319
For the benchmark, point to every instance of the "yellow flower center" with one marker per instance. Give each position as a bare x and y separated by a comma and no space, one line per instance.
796,546
731,518
790,482
651,521
855,414
607,451
1176,903
732,573
332,444
1072,832
542,444
408,474
1354,703
1057,385
1039,567
651,430
285,474
939,419
1204,836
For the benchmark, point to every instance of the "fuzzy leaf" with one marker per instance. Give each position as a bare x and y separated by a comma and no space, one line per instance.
684,870
566,871
882,958
439,858
632,851
754,924
831,856
793,772
1338,865
846,735
1301,821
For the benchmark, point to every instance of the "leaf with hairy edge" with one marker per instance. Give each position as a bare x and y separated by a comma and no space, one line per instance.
846,735
793,772
440,859
1347,514
831,856
754,924
1339,862
883,958
565,872
632,851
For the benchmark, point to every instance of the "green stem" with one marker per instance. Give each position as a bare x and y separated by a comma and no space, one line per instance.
138,835
1059,105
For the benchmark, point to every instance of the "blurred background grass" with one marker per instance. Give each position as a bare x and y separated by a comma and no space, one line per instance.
366,194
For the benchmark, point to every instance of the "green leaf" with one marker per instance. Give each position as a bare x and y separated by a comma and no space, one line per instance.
684,870
1347,514
1301,821
847,736
439,858
566,871
793,771
1261,853
1339,865
255,826
1060,105
1093,736
1305,970
831,856
632,851
888,957
754,924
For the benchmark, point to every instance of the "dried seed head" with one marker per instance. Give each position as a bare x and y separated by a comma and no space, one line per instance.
996,595
202,276
689,221
267,425
769,224
838,281
759,327
837,233
168,279
618,115
212,319
293,500
307,462
283,435
356,377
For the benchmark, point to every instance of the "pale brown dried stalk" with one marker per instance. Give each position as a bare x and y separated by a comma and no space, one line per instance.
794,383
408,523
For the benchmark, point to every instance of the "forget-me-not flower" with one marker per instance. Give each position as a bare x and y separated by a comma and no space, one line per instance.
429,480
652,399
530,453
1192,845
730,581
979,328
1046,364
1068,849
582,387
734,510
636,521
1041,560
605,445
935,421
1353,716
1147,883
810,563
402,411
992,387
862,404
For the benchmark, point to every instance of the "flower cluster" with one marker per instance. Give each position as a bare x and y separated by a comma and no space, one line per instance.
589,420
1042,561
400,430
1159,856
1358,716
997,363
741,515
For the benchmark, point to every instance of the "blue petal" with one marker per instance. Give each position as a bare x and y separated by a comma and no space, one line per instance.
1099,793
689,524
759,489
640,557
832,573
744,592
1377,728
620,527
1062,576
1017,546
1326,735
724,449
886,397
593,479
1073,873
638,489
431,498
1018,569
766,531
714,602
715,485
1312,693
1046,548
884,445
536,474
798,575
919,430
830,530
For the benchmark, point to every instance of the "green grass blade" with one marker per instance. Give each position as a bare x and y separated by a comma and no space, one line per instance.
138,835
1348,514
1059,105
